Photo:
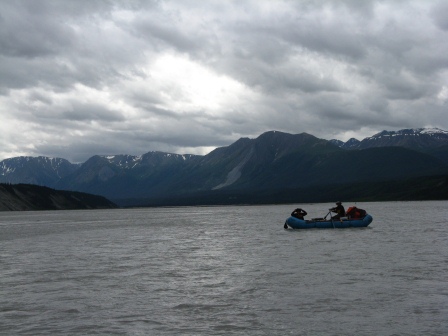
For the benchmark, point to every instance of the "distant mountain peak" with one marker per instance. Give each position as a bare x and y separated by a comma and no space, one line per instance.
37,170
432,131
274,160
415,138
410,131
122,160
351,143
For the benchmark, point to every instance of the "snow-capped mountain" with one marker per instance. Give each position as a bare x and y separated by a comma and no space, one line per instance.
415,138
274,161
337,142
350,144
127,171
150,158
39,170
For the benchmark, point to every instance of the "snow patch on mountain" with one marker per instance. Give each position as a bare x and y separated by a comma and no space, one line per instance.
432,131
410,131
9,166
430,136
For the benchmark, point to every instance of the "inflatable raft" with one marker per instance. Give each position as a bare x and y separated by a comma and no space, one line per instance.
321,223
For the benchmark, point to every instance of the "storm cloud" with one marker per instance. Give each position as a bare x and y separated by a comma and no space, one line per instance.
79,78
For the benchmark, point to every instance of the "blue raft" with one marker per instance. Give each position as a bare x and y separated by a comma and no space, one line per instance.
319,223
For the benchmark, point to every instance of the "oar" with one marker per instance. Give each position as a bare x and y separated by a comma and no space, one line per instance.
331,217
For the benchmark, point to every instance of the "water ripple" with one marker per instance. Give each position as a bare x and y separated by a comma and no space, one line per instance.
204,271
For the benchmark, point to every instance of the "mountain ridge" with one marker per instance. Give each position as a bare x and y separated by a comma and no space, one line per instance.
35,170
416,138
27,197
272,161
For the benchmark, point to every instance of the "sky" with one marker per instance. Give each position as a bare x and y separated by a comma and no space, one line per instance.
80,78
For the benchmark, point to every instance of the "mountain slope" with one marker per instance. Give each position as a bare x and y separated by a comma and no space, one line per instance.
409,138
280,161
416,138
417,188
35,170
306,169
125,175
432,141
273,161
249,163
31,197
440,153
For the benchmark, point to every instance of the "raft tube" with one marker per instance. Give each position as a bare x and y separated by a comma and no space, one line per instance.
342,223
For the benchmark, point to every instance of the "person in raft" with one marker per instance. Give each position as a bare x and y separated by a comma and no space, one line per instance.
339,210
299,213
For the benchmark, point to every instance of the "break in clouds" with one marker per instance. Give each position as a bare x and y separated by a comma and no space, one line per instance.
79,78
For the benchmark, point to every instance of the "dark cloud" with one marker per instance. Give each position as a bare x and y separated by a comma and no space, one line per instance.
79,78
439,14
91,112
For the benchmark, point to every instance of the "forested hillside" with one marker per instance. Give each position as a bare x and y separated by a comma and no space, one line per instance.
31,197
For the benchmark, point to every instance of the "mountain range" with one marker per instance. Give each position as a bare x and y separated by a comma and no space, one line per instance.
419,139
275,167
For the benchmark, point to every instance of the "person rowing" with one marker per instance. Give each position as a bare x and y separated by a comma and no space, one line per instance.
339,210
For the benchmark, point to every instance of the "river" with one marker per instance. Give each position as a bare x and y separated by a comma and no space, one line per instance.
229,270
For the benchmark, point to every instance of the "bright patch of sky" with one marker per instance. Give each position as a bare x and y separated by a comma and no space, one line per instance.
83,78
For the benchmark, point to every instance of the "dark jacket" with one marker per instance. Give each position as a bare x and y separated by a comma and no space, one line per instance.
299,213
340,211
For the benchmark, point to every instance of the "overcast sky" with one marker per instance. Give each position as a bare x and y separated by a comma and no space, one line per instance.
79,78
